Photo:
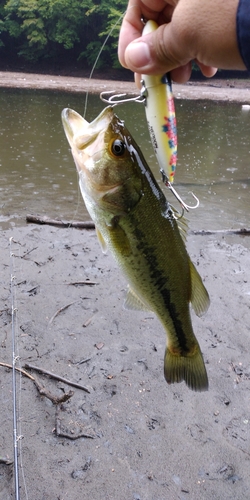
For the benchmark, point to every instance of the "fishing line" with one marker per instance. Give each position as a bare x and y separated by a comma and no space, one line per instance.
98,56
90,76
87,94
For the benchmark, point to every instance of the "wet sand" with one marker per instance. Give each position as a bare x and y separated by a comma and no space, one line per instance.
132,436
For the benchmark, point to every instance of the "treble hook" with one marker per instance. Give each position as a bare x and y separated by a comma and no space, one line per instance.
177,196
114,99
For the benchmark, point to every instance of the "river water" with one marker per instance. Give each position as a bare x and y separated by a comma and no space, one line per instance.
37,173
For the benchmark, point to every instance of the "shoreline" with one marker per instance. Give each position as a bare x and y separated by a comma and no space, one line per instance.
212,89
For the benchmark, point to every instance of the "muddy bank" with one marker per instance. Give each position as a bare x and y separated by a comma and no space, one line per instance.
133,436
215,89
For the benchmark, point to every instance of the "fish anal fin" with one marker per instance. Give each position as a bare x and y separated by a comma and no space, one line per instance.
101,241
134,302
190,369
199,295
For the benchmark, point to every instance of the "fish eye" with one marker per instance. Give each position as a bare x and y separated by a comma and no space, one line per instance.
118,147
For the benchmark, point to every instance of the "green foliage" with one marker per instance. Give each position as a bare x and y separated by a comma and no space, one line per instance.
45,28
3,28
38,24
109,33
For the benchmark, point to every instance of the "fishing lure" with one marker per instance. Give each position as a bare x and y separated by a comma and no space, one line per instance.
160,115
161,119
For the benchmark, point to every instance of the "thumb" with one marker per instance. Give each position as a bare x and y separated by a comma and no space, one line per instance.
156,52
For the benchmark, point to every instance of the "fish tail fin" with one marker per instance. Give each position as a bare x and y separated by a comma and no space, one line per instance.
190,368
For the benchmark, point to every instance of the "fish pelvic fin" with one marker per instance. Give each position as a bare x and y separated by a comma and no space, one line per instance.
190,368
101,241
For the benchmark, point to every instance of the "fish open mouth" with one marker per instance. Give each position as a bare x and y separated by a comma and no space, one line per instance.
79,132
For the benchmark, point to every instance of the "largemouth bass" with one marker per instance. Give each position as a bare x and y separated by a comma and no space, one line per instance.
137,224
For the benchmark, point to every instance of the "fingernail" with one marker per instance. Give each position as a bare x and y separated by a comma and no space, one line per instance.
137,54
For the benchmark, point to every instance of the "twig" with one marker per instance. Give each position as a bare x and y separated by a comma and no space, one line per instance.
85,360
87,323
57,377
5,460
7,365
37,219
87,282
60,310
28,252
41,389
242,231
55,399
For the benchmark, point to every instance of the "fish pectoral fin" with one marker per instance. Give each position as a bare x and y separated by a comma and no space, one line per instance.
134,302
101,241
118,238
190,368
199,295
123,197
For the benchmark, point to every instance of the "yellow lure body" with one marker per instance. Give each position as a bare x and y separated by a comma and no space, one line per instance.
160,114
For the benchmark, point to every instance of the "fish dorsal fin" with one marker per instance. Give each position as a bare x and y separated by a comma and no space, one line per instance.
182,224
101,241
134,302
199,295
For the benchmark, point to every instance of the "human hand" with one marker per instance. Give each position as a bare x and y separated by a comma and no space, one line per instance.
200,30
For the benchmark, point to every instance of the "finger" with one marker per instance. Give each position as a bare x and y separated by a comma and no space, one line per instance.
207,71
128,34
132,24
182,74
156,52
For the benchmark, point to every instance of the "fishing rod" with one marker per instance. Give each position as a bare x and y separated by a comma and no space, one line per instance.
14,360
